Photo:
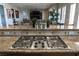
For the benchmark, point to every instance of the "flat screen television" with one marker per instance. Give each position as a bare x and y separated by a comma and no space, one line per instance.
36,14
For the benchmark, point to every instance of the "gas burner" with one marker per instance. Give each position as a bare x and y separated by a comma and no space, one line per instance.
40,42
23,42
56,42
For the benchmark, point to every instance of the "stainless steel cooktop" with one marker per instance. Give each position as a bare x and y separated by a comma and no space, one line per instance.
44,42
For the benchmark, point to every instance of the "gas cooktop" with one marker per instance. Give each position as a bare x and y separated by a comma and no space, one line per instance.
40,42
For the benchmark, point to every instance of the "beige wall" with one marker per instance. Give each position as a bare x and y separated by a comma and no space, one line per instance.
10,21
45,14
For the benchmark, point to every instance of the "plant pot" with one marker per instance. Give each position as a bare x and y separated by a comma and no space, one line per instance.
33,22
33,25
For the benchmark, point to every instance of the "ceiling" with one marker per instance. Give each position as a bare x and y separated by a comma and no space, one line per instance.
32,5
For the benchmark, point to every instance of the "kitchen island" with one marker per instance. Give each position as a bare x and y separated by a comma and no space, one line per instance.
6,42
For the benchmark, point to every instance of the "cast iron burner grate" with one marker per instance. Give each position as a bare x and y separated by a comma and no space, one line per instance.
40,42
23,42
56,42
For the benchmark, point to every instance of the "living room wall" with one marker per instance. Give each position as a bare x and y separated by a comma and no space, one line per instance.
2,16
21,15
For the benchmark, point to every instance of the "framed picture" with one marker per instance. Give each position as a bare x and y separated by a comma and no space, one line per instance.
9,13
17,13
12,13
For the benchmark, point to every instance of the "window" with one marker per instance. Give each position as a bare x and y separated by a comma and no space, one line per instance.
62,12
72,13
78,22
59,17
49,15
0,20
70,27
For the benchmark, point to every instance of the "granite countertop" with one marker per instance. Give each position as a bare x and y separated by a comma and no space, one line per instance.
29,28
6,43
33,29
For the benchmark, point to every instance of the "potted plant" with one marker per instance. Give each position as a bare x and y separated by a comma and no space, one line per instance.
54,16
48,22
34,22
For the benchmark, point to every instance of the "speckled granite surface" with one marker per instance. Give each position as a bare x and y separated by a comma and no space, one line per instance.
6,43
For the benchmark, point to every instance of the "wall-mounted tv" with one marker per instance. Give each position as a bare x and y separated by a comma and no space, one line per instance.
35,14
